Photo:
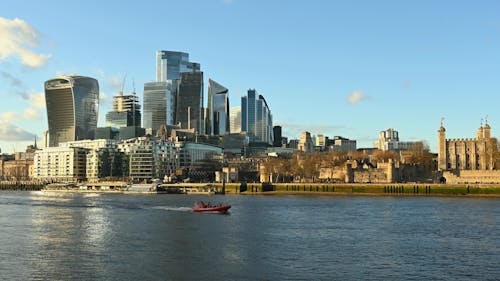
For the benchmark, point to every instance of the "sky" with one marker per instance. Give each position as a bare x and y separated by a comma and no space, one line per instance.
337,68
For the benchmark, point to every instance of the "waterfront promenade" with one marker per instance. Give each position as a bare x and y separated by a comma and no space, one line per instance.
390,189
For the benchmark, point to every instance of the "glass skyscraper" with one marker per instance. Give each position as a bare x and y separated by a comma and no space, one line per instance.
256,118
218,109
159,104
190,101
72,108
160,96
235,119
170,64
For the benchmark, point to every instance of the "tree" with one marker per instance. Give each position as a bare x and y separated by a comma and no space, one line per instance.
359,156
419,154
384,155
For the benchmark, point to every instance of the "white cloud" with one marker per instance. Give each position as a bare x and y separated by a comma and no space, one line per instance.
8,116
37,100
356,97
31,114
17,39
10,132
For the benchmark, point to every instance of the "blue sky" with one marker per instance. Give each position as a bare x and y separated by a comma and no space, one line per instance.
349,68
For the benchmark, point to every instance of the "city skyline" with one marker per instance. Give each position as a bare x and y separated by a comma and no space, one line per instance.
348,69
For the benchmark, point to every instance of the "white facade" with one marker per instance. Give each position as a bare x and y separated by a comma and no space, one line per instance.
60,164
321,140
140,153
235,120
192,152
389,140
343,144
92,158
305,142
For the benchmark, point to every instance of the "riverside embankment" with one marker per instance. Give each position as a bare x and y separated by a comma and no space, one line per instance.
406,189
21,185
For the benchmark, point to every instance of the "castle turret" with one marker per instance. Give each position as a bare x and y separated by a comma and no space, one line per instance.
486,131
442,152
480,132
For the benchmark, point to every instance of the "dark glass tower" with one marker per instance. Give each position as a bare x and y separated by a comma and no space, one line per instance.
190,101
72,108
277,142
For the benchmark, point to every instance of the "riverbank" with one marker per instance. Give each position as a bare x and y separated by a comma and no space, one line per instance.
476,190
364,189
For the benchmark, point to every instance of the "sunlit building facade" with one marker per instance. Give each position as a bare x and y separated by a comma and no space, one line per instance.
235,119
256,118
170,64
126,112
159,104
72,108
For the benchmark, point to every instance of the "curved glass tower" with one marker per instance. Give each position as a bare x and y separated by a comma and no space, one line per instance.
218,108
72,108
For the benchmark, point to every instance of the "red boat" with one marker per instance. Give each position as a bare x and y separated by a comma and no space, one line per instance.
209,208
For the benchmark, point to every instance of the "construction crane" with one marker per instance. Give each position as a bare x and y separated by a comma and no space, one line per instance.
123,84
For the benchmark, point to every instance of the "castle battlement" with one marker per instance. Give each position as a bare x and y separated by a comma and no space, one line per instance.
465,153
461,139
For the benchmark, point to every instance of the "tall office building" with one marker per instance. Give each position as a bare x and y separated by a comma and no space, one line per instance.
188,111
235,119
170,64
256,118
72,108
160,95
218,109
277,136
126,112
159,104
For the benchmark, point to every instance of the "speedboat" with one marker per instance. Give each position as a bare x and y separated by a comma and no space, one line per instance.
209,208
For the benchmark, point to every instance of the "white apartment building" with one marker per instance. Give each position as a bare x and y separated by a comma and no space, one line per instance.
60,164
93,157
141,160
389,140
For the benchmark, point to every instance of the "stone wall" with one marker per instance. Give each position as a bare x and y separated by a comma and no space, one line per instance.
472,176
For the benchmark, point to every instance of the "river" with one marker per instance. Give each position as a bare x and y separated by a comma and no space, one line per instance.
86,236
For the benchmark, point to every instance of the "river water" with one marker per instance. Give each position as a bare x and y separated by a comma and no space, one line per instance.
76,236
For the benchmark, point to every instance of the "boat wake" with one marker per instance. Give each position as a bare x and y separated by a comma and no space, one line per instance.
169,208
92,195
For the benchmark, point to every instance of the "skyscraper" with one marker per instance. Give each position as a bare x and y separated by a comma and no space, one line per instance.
159,103
170,64
72,108
235,119
256,118
277,136
160,95
190,101
218,108
126,112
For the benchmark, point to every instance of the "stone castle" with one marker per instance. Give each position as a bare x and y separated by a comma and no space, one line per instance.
468,160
